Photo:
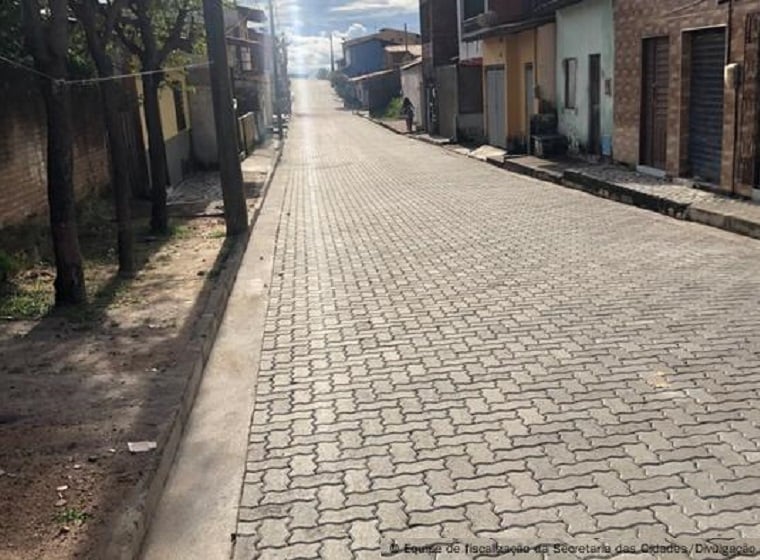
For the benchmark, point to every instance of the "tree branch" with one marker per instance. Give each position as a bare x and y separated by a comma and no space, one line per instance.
174,41
34,34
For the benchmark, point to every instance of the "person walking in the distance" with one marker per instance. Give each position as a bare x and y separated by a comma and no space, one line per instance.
407,109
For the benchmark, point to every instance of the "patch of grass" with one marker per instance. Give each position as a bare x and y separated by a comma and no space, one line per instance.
9,266
218,234
27,302
72,516
393,110
180,231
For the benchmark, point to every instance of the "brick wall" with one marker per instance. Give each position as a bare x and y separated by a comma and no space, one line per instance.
23,147
635,21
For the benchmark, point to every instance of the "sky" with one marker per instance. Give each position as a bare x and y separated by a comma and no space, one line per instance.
308,23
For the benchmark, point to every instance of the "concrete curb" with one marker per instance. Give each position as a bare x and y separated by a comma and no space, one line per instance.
129,529
611,191
426,139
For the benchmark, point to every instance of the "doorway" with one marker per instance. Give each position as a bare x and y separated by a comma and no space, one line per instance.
654,103
708,51
594,104
529,96
496,104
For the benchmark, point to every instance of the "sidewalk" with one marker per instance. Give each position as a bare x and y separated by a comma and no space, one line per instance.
618,183
667,197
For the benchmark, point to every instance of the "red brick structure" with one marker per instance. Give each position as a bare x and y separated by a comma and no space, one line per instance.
661,116
23,146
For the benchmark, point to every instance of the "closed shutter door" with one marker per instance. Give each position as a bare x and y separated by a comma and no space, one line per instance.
496,107
706,104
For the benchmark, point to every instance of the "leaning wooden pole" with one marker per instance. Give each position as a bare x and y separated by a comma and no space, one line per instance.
235,210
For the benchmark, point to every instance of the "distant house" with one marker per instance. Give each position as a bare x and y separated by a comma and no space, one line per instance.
376,90
365,55
250,60
400,55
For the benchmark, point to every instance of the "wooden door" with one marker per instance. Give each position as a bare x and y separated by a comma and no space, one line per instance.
654,102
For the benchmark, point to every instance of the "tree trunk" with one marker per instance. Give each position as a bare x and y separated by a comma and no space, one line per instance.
113,103
159,219
235,208
69,281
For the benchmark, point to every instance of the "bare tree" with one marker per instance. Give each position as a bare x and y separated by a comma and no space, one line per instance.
154,30
98,19
46,33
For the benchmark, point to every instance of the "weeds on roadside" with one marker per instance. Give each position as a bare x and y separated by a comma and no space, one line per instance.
72,516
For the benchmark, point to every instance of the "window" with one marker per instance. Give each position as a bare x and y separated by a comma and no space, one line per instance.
570,66
473,8
179,107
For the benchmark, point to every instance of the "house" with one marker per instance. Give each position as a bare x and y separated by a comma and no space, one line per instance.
470,74
400,55
411,86
686,95
585,76
176,121
250,59
440,50
376,90
366,55
519,67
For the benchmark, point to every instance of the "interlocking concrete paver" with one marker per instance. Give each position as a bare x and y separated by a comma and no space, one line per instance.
450,349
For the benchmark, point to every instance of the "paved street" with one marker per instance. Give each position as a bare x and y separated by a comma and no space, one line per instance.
455,351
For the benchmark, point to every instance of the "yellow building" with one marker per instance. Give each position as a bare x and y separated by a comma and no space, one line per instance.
175,123
519,77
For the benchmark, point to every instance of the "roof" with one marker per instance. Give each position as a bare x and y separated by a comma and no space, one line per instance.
415,50
378,74
412,64
386,34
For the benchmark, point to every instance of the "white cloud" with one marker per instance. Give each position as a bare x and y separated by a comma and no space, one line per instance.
309,53
364,5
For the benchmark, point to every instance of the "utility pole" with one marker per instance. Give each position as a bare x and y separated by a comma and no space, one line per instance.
406,39
275,71
332,55
235,209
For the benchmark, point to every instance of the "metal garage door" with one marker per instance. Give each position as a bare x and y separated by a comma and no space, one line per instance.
496,114
706,103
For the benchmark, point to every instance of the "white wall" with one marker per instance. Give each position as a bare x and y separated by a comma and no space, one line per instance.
411,85
467,50
584,29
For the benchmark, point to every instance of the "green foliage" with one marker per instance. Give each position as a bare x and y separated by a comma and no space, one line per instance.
393,110
8,266
323,74
71,516
26,303
11,38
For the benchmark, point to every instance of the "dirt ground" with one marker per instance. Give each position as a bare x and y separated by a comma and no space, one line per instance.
76,387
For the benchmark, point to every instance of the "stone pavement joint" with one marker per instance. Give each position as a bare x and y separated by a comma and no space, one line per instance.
451,351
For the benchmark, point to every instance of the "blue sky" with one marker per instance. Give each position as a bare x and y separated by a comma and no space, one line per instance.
308,24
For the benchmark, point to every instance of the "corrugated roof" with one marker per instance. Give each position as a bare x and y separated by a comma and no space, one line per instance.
372,75
415,50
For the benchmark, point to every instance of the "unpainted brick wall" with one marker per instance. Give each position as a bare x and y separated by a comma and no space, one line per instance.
23,147
636,21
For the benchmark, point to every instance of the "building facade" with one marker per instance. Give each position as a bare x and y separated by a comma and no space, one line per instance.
519,68
585,76
439,26
686,98
470,74
365,55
